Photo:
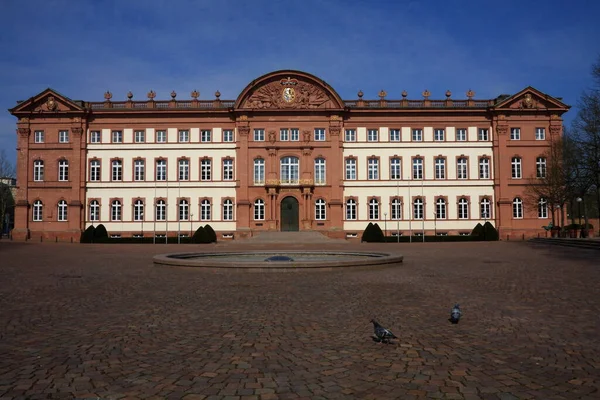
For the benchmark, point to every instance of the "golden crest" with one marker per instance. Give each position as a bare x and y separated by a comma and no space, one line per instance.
51,104
288,94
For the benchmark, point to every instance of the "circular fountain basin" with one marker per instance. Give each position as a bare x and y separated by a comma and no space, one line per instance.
279,260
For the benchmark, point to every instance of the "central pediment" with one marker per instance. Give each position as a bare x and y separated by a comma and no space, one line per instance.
288,90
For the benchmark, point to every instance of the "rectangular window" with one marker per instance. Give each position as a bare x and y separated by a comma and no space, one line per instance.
184,136
227,170
63,136
484,168
139,170
395,168
462,168
320,171
228,210
394,135
373,169
228,135
205,170
515,133
161,170
259,135
439,135
351,169
417,168
484,135
372,135
38,170
516,167
117,170
417,135
294,134
440,168
117,136
95,137
161,136
540,133
284,135
38,136
461,135
259,171
139,136
184,170
206,136
94,170
350,135
320,134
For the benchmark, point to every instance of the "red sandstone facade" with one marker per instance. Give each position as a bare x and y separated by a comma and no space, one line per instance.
309,141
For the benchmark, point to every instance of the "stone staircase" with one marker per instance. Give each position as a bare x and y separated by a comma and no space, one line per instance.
291,237
593,243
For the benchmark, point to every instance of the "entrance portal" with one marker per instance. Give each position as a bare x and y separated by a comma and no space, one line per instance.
290,214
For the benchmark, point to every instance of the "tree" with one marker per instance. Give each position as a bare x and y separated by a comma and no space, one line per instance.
7,201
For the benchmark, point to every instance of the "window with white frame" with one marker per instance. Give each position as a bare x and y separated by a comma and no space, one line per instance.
418,208
484,135
63,170
485,208
440,168
417,135
115,210
161,136
228,169
395,168
320,206
461,135
373,209
540,133
228,210
161,170
63,136
463,208
350,209
484,168
515,133
206,136
62,210
516,167
228,135
417,168
395,135
517,206
319,134
205,210
284,134
259,171
351,169
138,210
139,136
94,210
542,208
139,170
440,208
294,134
183,168
206,170
37,210
38,170
372,168
439,135
372,135
540,164
184,210
184,136
320,171
161,210
289,170
117,136
350,135
38,136
95,137
462,170
396,209
259,135
259,210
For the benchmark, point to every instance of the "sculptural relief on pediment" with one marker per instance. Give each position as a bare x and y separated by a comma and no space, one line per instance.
287,93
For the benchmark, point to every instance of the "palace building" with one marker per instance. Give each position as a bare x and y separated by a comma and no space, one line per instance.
288,154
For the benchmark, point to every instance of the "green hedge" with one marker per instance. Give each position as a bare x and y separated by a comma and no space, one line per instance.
87,236
449,238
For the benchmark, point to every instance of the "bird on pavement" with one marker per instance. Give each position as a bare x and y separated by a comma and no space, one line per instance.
455,314
382,335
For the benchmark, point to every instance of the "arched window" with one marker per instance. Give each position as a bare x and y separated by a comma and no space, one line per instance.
484,168
396,209
94,170
115,210
351,209
38,208
440,168
205,212
184,210
462,170
463,209
517,208
485,208
418,208
259,171
62,210
319,171
117,170
259,210
373,209
161,210
320,207
228,210
440,208
373,168
94,210
543,208
395,168
290,167
38,170
161,170
138,210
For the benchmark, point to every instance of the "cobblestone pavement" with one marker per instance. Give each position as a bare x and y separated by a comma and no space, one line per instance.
101,321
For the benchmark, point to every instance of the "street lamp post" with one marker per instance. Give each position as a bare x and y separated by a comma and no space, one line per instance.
385,223
435,223
579,200
191,226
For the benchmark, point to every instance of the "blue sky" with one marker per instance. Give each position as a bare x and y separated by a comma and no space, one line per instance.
83,48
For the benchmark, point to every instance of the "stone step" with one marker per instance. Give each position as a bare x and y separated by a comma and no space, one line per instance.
581,243
291,237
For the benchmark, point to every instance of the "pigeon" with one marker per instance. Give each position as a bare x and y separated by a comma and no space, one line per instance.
382,334
455,314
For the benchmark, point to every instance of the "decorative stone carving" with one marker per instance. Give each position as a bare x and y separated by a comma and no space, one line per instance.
335,118
24,132
470,94
426,94
289,93
218,95
272,136
306,152
243,118
244,130
272,152
555,130
448,94
151,95
195,94
382,94
306,136
360,94
51,104
528,101
77,130
335,130
173,94
129,95
108,95
404,94
502,129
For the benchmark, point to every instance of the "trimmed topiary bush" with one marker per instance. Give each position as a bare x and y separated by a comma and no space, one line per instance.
211,233
367,233
489,232
201,236
378,235
87,236
100,234
478,231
